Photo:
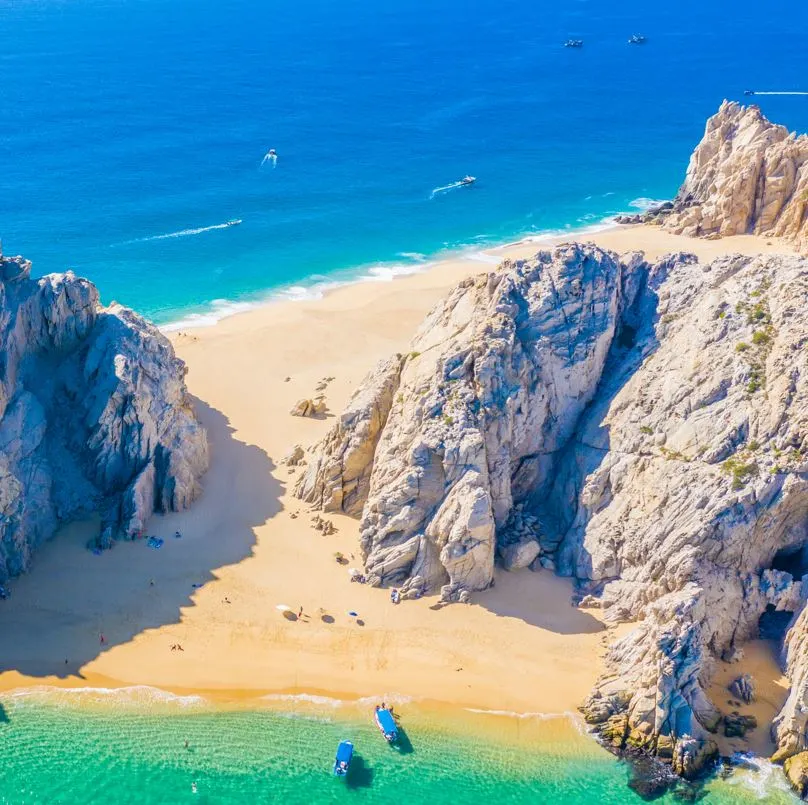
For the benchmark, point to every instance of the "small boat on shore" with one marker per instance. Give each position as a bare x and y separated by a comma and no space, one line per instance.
342,761
386,722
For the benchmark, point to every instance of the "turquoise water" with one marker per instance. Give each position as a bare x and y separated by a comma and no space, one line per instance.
76,749
128,120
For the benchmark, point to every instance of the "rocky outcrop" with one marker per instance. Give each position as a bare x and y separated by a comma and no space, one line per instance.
309,407
689,482
747,175
791,725
339,477
436,452
743,688
796,769
94,415
642,426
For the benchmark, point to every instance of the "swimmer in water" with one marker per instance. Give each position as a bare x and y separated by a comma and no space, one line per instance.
193,788
270,156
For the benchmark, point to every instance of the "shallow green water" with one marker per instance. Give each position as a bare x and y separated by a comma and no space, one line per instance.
94,748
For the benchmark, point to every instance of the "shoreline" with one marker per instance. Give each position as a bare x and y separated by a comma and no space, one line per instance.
249,546
477,260
380,271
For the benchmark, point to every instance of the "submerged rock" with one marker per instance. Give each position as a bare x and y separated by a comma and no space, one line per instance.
94,415
796,769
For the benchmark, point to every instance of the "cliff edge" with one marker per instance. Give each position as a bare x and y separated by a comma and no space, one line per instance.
94,415
639,426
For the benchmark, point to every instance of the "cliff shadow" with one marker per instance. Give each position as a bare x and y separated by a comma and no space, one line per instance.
539,599
73,605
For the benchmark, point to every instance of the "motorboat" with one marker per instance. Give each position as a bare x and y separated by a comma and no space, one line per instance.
637,39
574,43
468,180
342,761
748,92
233,222
386,722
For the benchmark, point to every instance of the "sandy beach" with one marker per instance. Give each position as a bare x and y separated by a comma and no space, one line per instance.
247,546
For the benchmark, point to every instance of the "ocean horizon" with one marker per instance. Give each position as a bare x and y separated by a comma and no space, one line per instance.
135,132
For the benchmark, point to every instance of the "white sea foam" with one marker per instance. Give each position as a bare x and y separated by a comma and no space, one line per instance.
182,233
318,285
513,714
758,775
304,698
642,203
131,696
482,257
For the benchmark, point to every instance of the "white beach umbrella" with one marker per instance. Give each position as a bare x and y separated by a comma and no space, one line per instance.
283,608
354,572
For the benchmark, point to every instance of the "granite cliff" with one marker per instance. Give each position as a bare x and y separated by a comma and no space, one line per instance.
747,175
94,415
639,426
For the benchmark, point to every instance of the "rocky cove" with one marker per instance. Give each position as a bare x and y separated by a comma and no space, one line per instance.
640,427
636,425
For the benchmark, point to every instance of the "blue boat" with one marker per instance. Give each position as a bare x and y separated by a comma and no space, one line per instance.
386,723
343,758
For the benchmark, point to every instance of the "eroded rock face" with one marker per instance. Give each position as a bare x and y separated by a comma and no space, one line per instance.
94,415
498,375
747,175
646,426
791,725
687,477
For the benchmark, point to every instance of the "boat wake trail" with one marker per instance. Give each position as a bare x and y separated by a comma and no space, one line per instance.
445,189
756,92
183,233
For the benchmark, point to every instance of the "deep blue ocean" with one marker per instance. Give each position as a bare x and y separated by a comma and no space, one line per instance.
124,120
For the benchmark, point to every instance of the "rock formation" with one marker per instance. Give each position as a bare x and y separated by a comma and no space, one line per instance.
642,426
747,175
436,447
309,407
94,415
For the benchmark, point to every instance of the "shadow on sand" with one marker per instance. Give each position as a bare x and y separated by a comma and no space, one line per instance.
53,624
539,599
3,715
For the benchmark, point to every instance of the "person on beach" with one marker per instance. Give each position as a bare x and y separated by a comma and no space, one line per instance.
300,612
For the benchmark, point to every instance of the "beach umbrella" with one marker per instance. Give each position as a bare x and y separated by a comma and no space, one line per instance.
354,572
283,608
352,613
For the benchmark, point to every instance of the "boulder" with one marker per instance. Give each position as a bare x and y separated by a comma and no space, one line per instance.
796,769
743,688
519,555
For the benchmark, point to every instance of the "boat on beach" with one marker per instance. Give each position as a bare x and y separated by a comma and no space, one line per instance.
386,722
342,761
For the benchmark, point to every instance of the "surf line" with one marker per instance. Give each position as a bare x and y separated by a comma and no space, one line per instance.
183,233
